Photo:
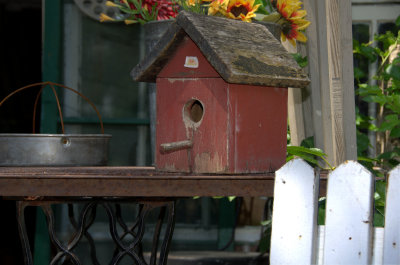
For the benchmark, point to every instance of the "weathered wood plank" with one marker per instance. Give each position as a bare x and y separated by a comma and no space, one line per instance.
331,72
391,247
339,34
319,72
295,110
348,225
335,80
346,47
294,219
296,116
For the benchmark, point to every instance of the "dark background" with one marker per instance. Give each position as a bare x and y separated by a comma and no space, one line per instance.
20,65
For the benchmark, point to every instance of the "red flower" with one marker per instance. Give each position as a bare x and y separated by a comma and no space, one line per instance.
166,9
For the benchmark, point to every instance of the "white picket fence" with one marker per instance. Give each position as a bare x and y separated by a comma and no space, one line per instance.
348,236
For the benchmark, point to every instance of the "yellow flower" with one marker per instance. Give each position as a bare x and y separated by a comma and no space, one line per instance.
242,9
104,17
217,6
293,20
191,2
112,4
130,21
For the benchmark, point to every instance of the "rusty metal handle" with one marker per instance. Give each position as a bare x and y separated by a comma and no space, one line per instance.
52,85
175,146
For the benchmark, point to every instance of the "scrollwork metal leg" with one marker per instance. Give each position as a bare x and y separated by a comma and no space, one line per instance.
127,230
168,233
91,218
87,216
26,250
124,249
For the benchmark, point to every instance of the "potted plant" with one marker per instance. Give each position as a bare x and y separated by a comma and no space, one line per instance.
285,13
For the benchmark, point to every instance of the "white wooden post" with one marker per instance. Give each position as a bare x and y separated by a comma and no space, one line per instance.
294,218
348,223
391,247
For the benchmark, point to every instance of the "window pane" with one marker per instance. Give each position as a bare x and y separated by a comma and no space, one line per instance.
98,58
361,34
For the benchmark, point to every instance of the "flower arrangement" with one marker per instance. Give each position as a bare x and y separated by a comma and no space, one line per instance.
286,13
142,11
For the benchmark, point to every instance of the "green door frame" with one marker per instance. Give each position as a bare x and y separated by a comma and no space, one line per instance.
51,63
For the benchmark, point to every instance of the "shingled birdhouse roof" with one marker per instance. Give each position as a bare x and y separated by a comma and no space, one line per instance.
241,53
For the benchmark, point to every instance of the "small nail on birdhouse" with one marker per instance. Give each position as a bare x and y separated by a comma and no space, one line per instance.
221,96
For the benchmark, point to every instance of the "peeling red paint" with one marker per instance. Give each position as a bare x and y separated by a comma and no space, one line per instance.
236,128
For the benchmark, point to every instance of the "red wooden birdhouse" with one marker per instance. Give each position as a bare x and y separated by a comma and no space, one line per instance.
221,96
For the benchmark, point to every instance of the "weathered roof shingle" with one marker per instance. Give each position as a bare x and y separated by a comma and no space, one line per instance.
242,53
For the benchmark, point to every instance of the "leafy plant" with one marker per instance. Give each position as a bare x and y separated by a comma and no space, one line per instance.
385,93
384,50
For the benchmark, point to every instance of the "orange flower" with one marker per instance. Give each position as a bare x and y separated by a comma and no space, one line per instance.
242,9
191,2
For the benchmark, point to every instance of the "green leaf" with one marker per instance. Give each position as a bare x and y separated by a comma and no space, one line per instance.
398,21
266,222
395,133
302,150
365,90
289,157
308,142
393,71
396,60
301,61
307,154
308,158
362,143
261,9
379,218
368,52
356,45
382,100
390,154
392,117
129,11
391,121
358,73
386,126
380,187
394,103
366,159
321,210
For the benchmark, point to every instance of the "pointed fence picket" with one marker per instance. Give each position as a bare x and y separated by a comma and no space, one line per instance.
348,236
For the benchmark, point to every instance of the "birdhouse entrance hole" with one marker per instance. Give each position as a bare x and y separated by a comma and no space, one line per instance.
194,110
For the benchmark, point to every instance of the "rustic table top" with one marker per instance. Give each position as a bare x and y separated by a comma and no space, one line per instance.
128,182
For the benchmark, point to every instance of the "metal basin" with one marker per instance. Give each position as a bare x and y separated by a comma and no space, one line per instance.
54,149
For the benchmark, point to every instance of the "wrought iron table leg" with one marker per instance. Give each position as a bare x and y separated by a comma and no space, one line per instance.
26,250
86,219
168,233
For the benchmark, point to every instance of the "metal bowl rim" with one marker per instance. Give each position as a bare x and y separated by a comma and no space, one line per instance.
16,135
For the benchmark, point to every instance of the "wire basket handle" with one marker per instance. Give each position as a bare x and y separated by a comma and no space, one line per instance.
52,85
